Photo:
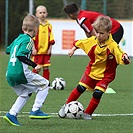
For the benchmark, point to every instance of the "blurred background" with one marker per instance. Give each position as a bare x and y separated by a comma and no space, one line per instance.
13,11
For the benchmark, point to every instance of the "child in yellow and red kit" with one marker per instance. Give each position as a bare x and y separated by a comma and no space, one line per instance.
105,55
43,42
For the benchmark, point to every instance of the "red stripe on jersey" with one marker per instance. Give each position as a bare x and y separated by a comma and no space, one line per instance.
109,72
36,41
91,54
111,61
49,32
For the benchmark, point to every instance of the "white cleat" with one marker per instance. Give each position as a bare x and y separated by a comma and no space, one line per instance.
87,116
61,112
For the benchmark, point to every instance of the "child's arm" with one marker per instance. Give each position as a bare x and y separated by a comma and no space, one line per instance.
29,62
71,52
34,51
49,50
92,33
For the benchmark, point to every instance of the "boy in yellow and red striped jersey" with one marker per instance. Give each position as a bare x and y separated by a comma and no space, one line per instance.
105,55
43,42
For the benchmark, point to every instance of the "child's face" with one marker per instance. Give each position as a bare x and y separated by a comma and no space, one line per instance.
102,35
42,13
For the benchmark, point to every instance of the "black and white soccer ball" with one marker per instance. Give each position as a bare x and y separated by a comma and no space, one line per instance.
59,83
74,110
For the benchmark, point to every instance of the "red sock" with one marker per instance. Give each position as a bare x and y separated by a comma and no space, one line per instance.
73,96
92,106
46,73
34,71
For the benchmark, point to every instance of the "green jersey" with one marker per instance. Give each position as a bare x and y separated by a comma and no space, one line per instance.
17,71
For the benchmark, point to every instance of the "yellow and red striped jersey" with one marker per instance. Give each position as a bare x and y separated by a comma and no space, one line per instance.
44,38
103,58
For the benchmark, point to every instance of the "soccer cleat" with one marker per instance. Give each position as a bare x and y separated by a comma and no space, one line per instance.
38,114
11,119
61,112
87,116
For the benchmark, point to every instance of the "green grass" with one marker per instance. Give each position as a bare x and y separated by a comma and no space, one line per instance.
71,69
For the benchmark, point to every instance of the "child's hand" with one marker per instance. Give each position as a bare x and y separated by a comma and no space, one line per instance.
71,52
38,68
125,58
34,52
49,50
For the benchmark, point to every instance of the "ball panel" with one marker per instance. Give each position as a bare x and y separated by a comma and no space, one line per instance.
74,109
58,84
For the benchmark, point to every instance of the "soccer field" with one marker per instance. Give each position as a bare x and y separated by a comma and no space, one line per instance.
114,114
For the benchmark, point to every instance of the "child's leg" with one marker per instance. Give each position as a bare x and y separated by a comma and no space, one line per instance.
94,102
75,94
46,73
40,99
92,106
18,105
23,96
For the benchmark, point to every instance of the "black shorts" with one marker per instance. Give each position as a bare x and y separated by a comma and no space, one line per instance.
117,36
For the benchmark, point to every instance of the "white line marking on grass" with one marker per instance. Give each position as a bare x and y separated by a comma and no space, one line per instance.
112,114
56,114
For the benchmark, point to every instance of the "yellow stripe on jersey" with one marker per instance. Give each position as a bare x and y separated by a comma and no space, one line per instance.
101,56
44,38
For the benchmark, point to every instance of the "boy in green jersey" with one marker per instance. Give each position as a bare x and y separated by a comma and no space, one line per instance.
23,81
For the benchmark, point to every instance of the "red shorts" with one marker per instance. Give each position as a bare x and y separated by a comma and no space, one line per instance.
43,60
92,84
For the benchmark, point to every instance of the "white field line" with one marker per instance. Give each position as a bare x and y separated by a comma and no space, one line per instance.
56,114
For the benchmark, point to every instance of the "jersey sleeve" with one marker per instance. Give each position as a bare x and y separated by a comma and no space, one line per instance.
8,49
85,44
85,24
51,36
27,61
118,52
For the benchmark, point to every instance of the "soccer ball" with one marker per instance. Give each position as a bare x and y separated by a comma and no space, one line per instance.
58,84
74,109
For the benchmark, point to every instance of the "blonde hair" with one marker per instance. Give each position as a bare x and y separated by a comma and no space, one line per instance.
102,22
30,22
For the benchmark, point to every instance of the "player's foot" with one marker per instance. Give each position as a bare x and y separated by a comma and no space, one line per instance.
11,119
61,112
87,116
38,114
